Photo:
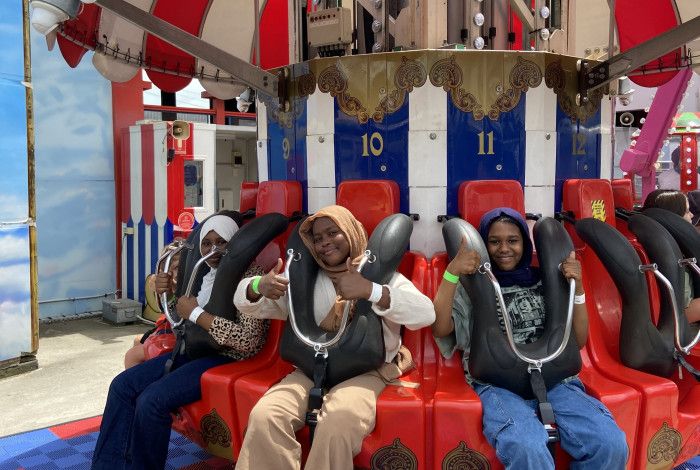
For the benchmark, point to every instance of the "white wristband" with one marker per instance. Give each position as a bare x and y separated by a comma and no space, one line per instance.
580,299
195,314
377,291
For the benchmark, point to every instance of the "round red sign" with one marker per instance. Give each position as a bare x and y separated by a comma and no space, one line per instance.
185,220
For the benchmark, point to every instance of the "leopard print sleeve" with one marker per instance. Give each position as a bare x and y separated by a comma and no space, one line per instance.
243,338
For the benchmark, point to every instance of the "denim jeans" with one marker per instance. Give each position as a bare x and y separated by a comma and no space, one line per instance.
135,430
587,430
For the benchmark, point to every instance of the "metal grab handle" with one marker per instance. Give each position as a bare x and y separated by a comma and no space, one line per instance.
198,265
533,363
676,311
167,258
172,317
319,347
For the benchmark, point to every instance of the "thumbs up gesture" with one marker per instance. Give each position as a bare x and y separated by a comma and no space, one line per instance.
273,285
571,269
350,284
466,261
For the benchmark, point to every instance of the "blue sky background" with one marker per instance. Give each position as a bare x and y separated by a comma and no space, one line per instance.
75,182
15,315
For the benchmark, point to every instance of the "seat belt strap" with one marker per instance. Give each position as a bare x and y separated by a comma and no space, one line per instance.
316,393
545,410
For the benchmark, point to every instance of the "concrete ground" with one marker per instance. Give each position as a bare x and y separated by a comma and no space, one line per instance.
77,360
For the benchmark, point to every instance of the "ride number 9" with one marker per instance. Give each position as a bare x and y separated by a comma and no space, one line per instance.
285,148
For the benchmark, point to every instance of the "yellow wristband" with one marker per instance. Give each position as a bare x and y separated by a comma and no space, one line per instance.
449,277
254,284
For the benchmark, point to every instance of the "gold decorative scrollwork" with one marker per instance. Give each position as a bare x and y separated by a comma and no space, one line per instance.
395,456
664,446
525,75
214,430
446,73
276,114
332,80
464,458
410,74
555,78
306,84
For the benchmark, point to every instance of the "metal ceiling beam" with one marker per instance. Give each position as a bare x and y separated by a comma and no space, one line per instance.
253,76
620,65
524,13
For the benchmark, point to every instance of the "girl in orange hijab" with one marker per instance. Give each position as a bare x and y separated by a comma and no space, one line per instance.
336,240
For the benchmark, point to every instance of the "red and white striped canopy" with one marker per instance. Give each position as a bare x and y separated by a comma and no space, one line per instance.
641,20
121,48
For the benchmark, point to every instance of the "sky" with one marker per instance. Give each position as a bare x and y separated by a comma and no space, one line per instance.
15,315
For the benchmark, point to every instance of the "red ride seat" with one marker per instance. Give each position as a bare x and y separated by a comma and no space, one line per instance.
249,196
457,412
400,424
212,422
658,413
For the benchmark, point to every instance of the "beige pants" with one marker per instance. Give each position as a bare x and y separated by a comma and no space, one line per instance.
347,416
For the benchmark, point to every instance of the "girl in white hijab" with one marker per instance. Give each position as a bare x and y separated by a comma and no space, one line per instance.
136,423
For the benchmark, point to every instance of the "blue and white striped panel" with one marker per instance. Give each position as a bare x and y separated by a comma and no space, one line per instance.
427,165
607,128
144,249
578,150
287,147
485,149
373,150
262,147
320,148
540,150
129,264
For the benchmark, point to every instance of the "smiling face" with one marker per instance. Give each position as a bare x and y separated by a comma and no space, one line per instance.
330,244
212,239
505,245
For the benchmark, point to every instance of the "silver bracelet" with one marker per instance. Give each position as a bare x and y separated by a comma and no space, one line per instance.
580,299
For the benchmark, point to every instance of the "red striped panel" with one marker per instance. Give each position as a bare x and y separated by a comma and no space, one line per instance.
83,28
148,208
160,54
274,36
641,20
176,176
125,177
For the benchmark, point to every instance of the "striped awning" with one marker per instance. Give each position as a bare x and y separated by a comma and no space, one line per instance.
122,49
641,20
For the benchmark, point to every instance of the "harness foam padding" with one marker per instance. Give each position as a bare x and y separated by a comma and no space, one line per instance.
687,238
641,345
243,247
664,251
361,348
491,359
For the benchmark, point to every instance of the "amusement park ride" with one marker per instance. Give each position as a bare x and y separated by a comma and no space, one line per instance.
438,110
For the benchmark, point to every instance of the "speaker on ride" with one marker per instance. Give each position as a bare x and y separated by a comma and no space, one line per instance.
180,130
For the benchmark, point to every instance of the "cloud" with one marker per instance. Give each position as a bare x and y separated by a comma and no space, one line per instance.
15,329
13,248
14,281
13,207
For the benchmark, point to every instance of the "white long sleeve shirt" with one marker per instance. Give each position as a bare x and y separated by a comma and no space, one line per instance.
408,307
